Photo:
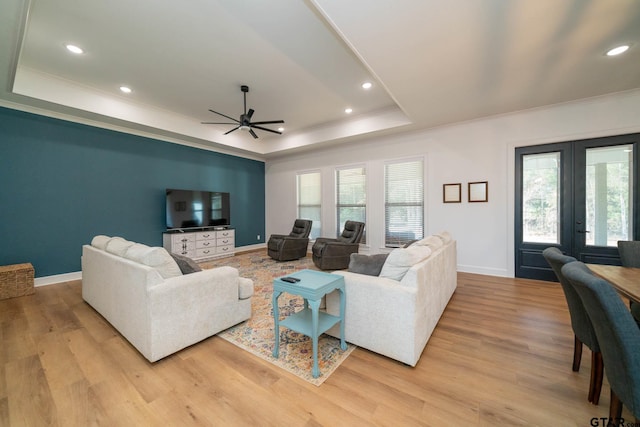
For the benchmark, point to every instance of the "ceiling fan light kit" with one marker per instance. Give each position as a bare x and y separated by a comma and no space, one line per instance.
245,122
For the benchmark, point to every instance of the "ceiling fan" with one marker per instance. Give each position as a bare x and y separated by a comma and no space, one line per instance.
245,122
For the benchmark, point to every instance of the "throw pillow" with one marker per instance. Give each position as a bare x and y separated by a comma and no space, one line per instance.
186,264
409,243
400,260
367,264
100,241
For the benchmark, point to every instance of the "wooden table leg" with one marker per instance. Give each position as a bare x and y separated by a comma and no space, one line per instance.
276,321
343,304
315,307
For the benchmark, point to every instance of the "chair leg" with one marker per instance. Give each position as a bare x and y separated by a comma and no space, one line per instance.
615,410
597,374
577,353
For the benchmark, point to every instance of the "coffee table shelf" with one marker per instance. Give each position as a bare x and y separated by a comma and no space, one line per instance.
302,322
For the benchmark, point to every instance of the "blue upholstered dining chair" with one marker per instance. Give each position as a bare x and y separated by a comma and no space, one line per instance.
617,333
630,257
583,331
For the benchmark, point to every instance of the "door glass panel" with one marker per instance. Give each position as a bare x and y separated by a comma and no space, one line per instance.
608,195
541,198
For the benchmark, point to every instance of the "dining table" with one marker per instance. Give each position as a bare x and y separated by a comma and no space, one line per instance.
626,280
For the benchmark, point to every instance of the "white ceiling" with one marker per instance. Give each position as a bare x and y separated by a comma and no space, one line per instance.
431,62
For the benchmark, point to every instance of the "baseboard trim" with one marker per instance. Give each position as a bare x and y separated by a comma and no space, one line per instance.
485,271
250,248
57,278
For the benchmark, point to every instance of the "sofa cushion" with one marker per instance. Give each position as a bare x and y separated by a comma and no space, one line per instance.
137,252
118,246
154,257
400,260
370,265
186,264
245,288
100,241
444,236
160,259
432,242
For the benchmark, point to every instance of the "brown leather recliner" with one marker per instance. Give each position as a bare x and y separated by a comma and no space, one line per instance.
283,247
334,254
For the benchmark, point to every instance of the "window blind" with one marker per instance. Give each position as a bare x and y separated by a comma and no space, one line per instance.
310,201
404,202
351,197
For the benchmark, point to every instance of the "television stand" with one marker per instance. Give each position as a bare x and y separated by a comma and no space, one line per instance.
201,245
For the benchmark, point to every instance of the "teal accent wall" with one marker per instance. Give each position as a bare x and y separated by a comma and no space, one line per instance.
61,183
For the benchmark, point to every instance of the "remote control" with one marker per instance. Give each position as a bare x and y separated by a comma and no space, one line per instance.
290,279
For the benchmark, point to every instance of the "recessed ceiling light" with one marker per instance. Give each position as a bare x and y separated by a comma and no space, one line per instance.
367,85
618,50
75,49
125,89
281,129
348,110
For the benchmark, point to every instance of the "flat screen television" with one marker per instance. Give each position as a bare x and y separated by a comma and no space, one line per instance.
197,209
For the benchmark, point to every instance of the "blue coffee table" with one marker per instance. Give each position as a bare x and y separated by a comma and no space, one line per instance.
310,321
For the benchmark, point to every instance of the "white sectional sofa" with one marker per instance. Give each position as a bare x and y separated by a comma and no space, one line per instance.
394,317
142,292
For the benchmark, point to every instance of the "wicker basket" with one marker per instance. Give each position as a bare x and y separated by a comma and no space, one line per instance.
16,280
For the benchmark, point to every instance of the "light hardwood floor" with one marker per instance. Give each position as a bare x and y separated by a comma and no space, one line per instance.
501,355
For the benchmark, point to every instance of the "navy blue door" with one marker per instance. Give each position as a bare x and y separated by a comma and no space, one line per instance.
579,196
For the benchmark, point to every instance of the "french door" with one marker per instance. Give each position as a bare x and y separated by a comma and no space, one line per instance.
579,196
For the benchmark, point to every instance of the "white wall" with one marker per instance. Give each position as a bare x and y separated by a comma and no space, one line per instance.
481,150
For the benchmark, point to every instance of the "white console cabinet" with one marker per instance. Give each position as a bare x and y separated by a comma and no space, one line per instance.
201,245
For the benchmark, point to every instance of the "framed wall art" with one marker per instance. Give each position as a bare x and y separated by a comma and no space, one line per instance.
479,191
452,193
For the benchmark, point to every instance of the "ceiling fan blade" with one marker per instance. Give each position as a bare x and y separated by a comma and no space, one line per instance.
245,119
235,128
268,130
268,122
224,115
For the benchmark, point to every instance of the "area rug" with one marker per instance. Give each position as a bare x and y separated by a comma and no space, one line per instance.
256,335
